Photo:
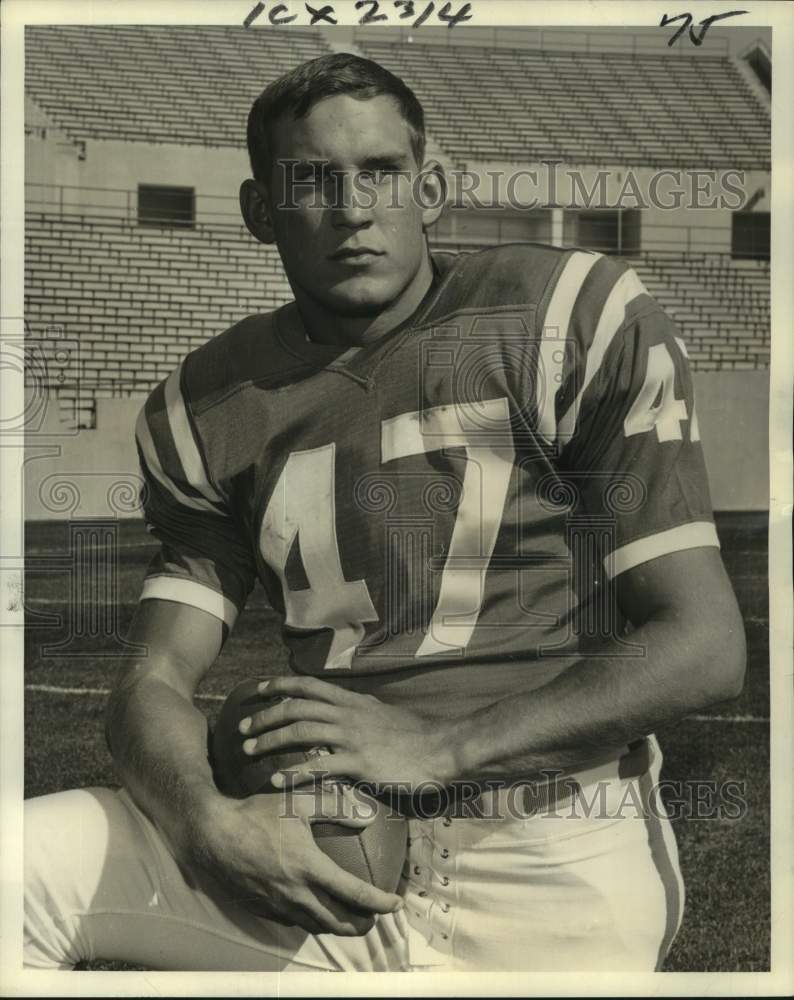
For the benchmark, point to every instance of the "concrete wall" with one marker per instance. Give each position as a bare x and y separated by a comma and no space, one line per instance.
99,175
94,473
733,415
681,210
84,473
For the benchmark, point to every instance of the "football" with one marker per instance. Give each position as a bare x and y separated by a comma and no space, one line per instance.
374,854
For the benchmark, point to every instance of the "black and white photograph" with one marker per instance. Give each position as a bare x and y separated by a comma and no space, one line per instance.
396,498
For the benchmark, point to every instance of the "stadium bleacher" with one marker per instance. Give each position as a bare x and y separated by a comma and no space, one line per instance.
584,107
481,104
139,83
140,297
721,306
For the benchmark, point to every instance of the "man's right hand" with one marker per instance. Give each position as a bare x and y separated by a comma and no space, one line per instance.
258,851
262,852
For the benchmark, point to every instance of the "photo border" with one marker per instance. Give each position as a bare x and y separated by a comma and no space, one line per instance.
15,15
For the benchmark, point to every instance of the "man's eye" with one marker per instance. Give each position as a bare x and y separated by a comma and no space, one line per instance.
319,176
380,174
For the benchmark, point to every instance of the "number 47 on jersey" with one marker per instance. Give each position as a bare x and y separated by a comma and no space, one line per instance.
303,506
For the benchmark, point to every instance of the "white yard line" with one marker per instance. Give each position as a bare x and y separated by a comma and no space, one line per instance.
60,551
35,602
98,692
727,718
104,692
32,603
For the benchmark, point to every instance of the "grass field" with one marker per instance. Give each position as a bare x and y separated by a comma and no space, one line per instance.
725,861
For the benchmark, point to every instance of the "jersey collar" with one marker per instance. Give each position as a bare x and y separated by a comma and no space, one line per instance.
360,361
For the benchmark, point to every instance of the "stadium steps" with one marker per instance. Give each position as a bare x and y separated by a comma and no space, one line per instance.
138,299
723,317
596,108
150,84
104,82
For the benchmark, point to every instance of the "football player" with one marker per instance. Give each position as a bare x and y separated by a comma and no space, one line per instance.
473,487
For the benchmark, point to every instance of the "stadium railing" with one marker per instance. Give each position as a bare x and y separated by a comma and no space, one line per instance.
550,39
62,200
137,298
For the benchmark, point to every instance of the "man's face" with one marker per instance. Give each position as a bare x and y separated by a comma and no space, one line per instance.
353,259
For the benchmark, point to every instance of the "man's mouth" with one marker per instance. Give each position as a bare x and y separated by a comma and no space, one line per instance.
355,253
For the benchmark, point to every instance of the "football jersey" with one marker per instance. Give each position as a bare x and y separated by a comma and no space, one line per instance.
437,516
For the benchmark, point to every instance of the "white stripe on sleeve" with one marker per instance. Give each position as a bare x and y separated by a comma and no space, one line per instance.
685,536
144,436
627,288
184,591
183,437
553,338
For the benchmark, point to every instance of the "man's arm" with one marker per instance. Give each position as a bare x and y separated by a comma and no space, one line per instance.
688,624
158,740
157,737
195,587
686,620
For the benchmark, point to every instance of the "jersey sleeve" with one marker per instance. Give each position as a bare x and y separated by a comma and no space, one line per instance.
204,560
627,432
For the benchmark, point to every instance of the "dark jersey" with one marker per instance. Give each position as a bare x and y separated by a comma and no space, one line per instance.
442,510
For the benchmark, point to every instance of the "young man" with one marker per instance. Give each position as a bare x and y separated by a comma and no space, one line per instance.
442,469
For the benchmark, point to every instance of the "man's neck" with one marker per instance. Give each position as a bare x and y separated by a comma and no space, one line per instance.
325,327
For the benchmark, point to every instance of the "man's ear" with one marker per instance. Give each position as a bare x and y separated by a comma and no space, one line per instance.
432,192
256,211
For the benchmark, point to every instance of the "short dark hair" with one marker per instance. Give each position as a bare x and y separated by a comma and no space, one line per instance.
297,92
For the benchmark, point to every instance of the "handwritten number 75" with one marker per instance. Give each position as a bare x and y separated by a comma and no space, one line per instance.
705,24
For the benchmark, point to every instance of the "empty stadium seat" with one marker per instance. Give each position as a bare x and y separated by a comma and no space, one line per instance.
145,83
138,299
481,104
721,306
596,108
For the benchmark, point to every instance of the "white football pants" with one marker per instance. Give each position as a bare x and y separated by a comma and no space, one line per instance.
593,886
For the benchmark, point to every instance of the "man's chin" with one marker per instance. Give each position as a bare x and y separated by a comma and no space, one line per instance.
357,303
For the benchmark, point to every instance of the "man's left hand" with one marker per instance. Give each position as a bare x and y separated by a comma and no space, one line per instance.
370,741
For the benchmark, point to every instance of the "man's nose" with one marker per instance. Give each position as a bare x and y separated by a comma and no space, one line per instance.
350,207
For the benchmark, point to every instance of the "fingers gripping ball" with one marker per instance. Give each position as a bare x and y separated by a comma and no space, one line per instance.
375,854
